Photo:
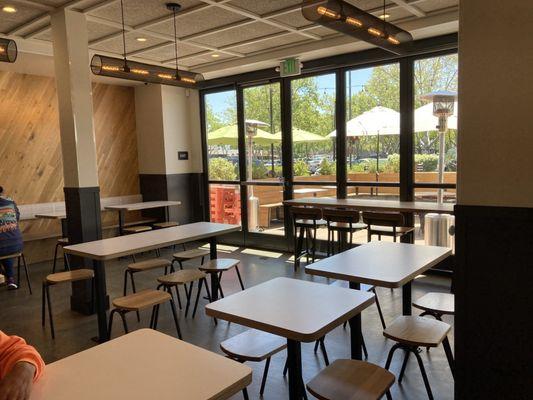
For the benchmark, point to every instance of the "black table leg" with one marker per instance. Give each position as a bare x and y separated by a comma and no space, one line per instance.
214,275
294,358
100,296
406,299
64,228
121,220
167,213
356,333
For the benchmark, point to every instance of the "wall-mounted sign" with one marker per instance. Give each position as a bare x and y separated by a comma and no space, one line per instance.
290,67
183,155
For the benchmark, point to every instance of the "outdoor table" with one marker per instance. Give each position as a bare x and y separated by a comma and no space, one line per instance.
61,215
384,264
312,191
108,249
298,310
144,364
122,208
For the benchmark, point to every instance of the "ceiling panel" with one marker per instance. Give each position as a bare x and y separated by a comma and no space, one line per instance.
294,19
167,52
198,22
246,32
115,45
10,21
432,5
191,62
291,38
264,6
137,12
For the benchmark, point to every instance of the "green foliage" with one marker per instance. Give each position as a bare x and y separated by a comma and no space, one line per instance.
221,169
259,171
327,167
429,162
300,168
393,163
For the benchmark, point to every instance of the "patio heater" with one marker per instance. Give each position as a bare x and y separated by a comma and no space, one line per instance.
443,108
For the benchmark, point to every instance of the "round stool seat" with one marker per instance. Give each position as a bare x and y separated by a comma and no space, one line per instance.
140,300
167,224
69,276
181,277
137,229
417,331
148,264
436,303
345,226
350,380
310,222
219,264
190,254
62,241
253,345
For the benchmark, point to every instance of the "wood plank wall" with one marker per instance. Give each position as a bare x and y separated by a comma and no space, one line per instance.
31,168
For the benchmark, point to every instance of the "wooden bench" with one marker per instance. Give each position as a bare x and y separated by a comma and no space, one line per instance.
268,208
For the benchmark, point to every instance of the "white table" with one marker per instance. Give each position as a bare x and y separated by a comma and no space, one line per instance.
123,208
298,310
383,264
144,364
112,248
312,191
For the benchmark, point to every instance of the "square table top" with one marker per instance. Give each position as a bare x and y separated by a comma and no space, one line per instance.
295,309
53,215
144,364
111,248
384,264
143,206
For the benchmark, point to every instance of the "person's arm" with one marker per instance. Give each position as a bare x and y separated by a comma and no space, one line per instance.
17,211
13,350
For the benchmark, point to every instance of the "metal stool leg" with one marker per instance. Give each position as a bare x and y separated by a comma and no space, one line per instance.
134,289
391,354
324,352
124,323
125,290
156,317
449,355
239,276
47,288
404,366
424,375
379,309
55,259
363,345
286,367
200,283
110,325
26,272
189,293
175,316
265,374
245,394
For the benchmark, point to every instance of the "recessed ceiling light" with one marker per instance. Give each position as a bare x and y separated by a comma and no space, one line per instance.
9,9
384,16
141,39
215,55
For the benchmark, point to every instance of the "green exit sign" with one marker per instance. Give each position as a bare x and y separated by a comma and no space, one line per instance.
290,67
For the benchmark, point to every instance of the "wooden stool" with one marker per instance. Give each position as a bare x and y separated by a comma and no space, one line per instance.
60,278
60,244
167,224
307,221
255,346
20,257
436,304
187,255
136,229
386,224
350,380
185,277
139,301
220,265
343,222
412,332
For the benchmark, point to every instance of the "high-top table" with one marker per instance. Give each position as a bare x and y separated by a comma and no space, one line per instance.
144,364
61,215
298,310
384,264
369,205
123,208
113,248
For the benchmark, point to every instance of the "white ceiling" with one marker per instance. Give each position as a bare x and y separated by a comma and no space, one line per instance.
216,37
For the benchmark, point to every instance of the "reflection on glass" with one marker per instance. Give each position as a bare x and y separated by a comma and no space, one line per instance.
373,128
225,204
435,139
222,134
313,125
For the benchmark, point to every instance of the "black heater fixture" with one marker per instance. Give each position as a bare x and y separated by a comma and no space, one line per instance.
350,20
8,50
137,71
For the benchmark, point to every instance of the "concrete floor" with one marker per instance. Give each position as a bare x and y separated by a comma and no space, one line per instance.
20,314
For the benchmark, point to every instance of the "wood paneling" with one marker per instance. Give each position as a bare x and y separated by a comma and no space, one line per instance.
31,168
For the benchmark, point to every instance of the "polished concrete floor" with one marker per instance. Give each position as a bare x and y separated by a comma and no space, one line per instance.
20,314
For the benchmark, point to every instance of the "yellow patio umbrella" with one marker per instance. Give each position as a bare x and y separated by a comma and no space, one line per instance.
227,135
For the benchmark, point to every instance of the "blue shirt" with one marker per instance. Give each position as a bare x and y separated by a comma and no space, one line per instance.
10,236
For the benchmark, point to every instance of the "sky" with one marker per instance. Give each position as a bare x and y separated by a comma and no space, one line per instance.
222,100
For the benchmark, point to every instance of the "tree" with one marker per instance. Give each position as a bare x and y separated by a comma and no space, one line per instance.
221,169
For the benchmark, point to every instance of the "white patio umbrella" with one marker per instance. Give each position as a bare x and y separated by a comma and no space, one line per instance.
377,121
425,121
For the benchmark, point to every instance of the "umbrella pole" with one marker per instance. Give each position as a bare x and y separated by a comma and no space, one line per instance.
442,150
272,157
377,165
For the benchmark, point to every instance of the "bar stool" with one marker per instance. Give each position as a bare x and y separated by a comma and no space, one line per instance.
342,222
350,380
140,301
166,224
254,346
136,229
187,255
219,266
185,277
436,304
386,224
411,333
20,257
307,221
57,279
62,242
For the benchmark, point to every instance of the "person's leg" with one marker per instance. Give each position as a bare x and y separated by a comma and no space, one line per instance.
8,267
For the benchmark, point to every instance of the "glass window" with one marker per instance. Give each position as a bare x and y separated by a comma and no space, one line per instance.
373,129
222,136
313,124
435,144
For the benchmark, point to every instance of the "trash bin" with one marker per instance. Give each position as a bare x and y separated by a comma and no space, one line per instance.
437,230
253,213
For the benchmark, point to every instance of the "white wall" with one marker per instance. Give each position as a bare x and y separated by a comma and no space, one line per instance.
168,121
495,144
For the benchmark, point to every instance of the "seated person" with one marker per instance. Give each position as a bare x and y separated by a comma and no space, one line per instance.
10,236
20,366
